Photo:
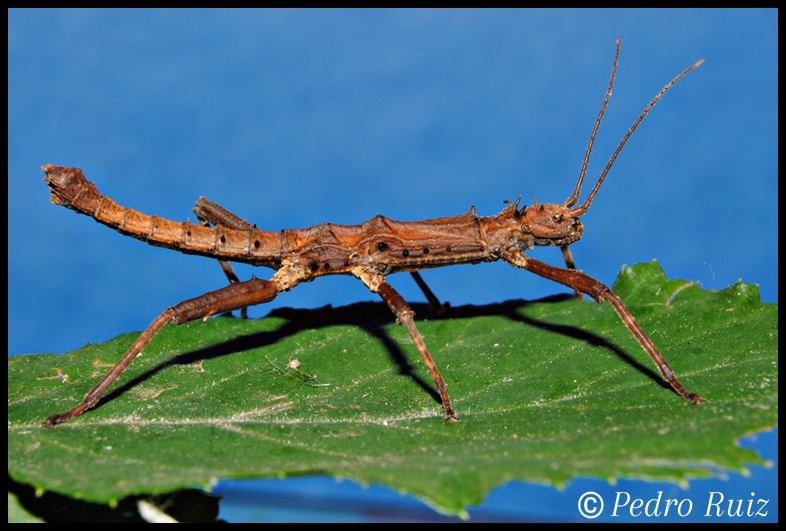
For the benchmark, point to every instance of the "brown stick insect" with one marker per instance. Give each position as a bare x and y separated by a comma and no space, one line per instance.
369,251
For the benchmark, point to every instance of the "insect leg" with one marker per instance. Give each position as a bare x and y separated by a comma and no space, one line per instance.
600,292
432,299
404,316
232,297
570,264
208,212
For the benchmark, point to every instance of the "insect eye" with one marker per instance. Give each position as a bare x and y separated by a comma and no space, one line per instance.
557,217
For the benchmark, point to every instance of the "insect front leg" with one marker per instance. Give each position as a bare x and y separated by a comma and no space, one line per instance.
570,264
232,297
405,316
600,292
208,213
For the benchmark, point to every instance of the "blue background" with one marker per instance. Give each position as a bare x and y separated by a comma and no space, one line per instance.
292,118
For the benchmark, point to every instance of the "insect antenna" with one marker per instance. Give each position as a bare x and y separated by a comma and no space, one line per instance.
578,211
574,197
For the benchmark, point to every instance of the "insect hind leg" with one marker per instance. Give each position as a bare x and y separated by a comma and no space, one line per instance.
232,297
208,213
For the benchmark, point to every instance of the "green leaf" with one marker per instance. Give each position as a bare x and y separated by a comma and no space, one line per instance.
17,513
546,391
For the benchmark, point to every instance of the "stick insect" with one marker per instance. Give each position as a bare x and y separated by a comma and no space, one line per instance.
369,251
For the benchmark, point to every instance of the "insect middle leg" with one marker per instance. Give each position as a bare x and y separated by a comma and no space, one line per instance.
405,316
438,307
232,297
600,292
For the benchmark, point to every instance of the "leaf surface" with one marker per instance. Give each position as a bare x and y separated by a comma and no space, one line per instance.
546,391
